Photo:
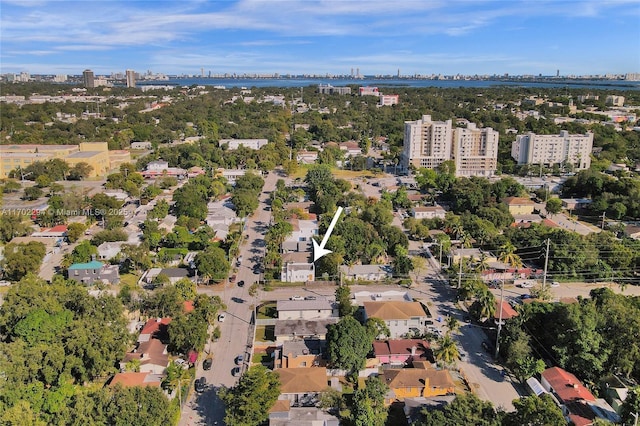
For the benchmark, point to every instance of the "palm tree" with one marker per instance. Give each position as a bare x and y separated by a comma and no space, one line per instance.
453,324
508,255
487,303
447,351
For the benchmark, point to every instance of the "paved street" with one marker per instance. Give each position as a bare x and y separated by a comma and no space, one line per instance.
206,408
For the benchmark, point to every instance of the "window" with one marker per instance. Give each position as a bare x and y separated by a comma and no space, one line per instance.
303,364
75,273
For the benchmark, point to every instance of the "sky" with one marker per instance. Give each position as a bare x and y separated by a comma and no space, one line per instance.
448,37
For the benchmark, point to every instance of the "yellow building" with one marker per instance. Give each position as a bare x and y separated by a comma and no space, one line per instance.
99,160
13,157
420,381
118,157
519,205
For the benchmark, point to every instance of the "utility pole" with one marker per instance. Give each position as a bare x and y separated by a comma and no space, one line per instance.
635,417
603,216
500,317
546,263
460,272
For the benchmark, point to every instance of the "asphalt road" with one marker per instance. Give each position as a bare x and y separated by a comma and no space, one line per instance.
206,408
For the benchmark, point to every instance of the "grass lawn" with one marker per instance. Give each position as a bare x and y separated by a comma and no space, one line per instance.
268,311
266,333
129,279
261,358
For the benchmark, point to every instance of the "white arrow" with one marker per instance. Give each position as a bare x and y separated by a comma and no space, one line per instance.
319,250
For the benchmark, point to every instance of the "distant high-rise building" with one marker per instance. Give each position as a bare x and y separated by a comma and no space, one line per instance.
553,149
131,78
557,73
89,79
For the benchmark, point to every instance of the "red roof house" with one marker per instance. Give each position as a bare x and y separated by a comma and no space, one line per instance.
507,311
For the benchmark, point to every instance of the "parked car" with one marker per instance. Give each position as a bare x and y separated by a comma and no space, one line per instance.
241,283
310,298
235,371
207,363
554,284
526,296
239,359
297,298
200,384
232,278
527,284
221,317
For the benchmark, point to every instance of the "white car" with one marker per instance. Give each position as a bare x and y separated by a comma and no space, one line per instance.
527,284
297,298
221,317
554,284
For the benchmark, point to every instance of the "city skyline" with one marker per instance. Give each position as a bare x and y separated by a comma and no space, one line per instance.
322,37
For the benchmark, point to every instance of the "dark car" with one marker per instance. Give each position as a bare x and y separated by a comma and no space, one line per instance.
200,384
241,283
207,363
239,359
236,371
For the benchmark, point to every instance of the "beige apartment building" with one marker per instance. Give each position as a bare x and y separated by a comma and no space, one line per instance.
553,149
429,143
475,151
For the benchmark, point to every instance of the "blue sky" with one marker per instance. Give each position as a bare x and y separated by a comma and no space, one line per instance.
577,37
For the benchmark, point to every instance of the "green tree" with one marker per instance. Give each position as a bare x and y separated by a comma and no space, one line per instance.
348,343
212,264
466,409
32,193
631,407
75,231
343,298
20,259
248,403
186,333
553,206
376,328
368,404
535,410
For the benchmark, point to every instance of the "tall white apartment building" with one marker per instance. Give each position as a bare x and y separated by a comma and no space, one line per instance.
427,143
475,151
553,149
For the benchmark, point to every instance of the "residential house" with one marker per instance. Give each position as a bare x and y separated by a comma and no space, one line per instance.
231,175
154,328
286,330
361,296
174,274
301,354
400,317
281,414
58,232
575,203
303,230
402,352
632,231
519,205
365,272
306,309
130,379
351,148
307,157
422,381
297,267
94,272
152,355
234,144
428,212
110,249
507,311
576,401
302,386
470,253
614,391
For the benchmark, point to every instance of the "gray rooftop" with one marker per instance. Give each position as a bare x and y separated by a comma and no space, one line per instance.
304,305
303,347
302,327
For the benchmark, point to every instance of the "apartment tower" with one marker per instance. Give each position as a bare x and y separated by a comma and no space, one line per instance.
553,149
131,78
426,143
475,151
89,79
